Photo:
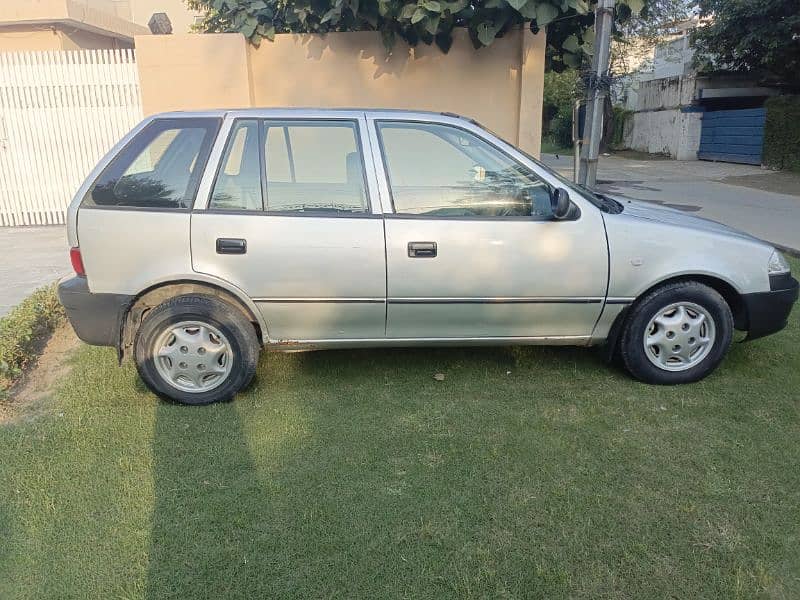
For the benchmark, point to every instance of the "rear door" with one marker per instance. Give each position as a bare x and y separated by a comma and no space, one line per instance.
289,220
472,249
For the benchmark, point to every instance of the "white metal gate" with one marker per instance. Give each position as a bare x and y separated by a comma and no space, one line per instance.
60,111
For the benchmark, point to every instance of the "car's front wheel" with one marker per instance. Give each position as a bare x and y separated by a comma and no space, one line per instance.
196,350
678,333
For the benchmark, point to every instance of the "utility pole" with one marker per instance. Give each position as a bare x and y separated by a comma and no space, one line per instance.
596,92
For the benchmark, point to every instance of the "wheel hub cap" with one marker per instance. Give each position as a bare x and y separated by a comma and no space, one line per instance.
679,336
193,357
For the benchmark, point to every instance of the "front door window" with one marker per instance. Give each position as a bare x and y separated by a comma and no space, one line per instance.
443,171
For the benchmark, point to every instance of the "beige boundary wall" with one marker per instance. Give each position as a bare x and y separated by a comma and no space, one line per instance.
500,86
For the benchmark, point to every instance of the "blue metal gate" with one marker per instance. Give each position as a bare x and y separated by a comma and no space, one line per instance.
733,135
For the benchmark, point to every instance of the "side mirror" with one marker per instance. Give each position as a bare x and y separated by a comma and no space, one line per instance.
559,203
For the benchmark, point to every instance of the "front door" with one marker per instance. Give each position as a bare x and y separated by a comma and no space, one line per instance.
289,222
472,249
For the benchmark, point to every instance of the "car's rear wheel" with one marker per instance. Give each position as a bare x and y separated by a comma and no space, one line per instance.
678,333
196,350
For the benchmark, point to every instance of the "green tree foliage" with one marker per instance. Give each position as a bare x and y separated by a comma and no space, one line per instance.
657,18
560,92
781,132
760,37
636,36
569,22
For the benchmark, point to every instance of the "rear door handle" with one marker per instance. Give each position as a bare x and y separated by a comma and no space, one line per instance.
422,249
231,246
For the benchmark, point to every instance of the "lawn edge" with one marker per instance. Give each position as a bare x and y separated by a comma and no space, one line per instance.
24,332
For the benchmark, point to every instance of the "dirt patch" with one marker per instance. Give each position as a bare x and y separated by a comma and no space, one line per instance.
780,183
38,382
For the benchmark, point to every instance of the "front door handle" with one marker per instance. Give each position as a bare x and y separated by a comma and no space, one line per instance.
422,249
231,246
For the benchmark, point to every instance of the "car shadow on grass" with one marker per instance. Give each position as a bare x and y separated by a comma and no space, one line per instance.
425,362
327,476
358,473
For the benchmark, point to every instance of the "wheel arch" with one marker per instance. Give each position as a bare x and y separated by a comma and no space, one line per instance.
150,297
729,293
724,288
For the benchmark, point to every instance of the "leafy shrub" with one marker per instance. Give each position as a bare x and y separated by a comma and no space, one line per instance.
621,116
560,130
569,23
560,92
23,329
782,132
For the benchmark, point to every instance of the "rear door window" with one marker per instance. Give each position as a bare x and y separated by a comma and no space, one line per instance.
238,183
314,166
160,168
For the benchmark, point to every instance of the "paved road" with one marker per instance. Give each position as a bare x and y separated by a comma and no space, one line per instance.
32,257
741,196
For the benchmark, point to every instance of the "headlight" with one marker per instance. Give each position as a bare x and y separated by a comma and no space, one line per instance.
777,264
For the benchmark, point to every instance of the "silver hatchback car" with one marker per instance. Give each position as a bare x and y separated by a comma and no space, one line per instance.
203,237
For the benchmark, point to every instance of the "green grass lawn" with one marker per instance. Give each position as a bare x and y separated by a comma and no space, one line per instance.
550,147
526,473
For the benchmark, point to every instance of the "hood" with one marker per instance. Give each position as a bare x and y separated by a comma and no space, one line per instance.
671,216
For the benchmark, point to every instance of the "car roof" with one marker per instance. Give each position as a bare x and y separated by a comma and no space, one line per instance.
261,111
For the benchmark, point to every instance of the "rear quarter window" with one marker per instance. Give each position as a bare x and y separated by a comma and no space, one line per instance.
160,167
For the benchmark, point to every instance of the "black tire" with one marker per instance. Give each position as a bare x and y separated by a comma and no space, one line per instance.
632,346
209,310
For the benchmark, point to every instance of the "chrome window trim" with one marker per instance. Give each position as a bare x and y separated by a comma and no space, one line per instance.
317,214
521,218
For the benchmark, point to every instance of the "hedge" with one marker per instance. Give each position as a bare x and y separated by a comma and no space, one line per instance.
621,116
782,133
23,330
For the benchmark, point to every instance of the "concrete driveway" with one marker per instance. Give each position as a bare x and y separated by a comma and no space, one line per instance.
763,203
32,257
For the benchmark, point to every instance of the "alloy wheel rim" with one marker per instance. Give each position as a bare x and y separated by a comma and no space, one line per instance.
679,336
193,357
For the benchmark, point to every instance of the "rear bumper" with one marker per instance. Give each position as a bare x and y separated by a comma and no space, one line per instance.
96,318
768,312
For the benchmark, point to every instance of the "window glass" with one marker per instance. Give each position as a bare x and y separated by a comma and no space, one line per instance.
238,183
440,170
159,168
314,166
150,156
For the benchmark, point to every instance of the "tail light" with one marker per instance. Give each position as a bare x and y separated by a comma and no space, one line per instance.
77,261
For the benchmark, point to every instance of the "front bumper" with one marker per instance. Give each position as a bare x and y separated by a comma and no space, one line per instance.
96,318
768,312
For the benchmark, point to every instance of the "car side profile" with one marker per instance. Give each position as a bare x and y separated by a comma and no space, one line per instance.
203,237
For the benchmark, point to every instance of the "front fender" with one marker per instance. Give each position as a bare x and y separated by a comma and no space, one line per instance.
643,253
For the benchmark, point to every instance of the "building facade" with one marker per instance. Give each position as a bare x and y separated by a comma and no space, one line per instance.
29,25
